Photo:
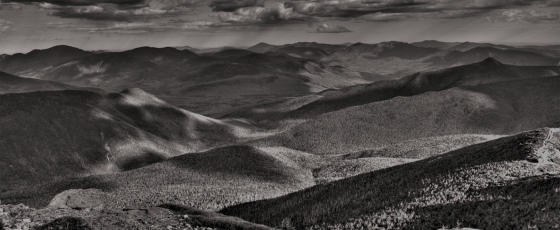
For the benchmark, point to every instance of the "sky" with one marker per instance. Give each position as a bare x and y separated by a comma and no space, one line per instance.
125,24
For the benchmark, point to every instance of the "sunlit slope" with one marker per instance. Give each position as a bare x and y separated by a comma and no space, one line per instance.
497,108
508,183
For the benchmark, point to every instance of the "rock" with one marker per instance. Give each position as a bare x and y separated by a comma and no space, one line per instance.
26,220
80,199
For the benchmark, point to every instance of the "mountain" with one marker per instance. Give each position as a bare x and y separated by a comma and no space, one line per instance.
549,50
435,44
465,46
64,134
303,52
382,50
308,50
329,48
487,71
14,84
388,59
211,179
511,57
40,59
262,48
497,108
206,50
394,60
230,53
483,98
512,182
200,82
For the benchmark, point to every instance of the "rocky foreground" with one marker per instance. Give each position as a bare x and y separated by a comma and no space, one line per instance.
85,209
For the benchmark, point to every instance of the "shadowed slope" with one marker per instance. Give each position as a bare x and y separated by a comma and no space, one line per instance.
491,178
262,48
435,44
229,53
465,46
14,84
208,180
239,161
510,57
40,59
75,133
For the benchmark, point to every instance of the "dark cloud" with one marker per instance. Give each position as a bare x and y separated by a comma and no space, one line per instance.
246,12
80,2
485,4
326,28
233,5
446,14
135,27
114,12
389,10
554,3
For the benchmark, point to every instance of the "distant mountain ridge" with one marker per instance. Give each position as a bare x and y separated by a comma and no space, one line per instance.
481,98
487,71
261,76
184,78
39,59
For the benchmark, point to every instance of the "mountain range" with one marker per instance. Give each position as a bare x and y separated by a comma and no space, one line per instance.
426,135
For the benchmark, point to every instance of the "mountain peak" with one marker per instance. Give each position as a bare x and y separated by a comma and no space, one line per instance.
63,49
491,60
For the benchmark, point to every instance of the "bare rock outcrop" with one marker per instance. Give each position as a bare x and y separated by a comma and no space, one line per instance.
80,199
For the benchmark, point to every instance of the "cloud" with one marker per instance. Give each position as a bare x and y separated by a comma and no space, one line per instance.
123,10
135,27
273,13
79,2
10,6
104,12
233,5
326,28
554,3
445,14
388,10
528,16
4,25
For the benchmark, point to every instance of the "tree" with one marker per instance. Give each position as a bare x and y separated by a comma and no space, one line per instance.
287,224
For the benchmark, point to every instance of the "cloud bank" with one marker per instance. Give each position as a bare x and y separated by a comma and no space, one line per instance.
326,28
233,5
239,13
